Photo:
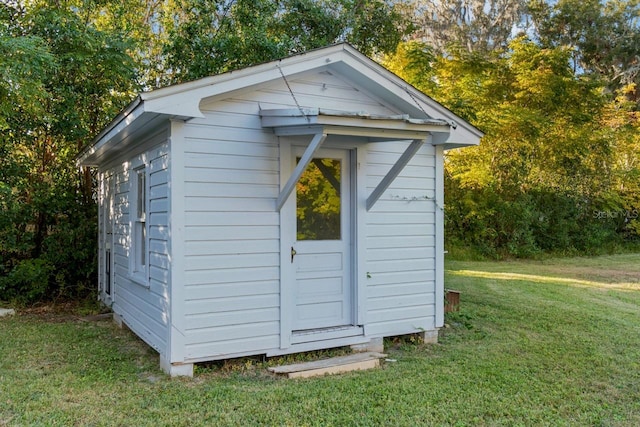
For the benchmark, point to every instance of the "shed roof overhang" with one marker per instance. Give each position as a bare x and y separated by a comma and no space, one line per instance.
126,129
307,121
322,123
182,102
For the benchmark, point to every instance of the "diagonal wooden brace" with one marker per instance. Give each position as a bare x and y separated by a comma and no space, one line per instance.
395,170
306,158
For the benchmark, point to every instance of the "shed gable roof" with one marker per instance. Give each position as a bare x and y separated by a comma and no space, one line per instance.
183,101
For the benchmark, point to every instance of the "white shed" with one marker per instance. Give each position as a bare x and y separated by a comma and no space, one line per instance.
291,206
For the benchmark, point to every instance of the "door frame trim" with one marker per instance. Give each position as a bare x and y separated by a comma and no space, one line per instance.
287,216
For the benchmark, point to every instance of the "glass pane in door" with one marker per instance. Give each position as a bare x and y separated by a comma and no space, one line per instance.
318,201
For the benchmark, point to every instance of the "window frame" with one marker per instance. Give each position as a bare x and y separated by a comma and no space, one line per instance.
139,222
317,164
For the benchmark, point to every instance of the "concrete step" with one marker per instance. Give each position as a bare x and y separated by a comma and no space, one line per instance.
335,365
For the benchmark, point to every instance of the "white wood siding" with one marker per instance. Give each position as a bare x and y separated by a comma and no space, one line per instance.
232,233
400,239
144,307
317,89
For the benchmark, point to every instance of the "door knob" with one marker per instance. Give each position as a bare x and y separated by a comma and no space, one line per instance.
293,253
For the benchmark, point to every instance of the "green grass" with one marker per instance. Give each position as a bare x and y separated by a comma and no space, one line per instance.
554,342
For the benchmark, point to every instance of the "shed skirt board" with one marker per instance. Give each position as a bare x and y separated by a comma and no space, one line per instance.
319,345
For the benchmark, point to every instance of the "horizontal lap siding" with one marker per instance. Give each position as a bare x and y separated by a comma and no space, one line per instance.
400,243
144,308
159,245
231,234
317,89
232,228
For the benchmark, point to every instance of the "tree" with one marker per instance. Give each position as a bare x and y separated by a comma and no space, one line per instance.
71,65
67,79
546,162
24,60
210,37
604,37
473,25
140,24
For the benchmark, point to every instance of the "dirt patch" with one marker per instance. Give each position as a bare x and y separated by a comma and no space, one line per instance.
64,312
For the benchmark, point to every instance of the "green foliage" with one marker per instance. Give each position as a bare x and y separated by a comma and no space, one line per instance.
469,25
67,80
217,36
414,61
484,220
603,36
22,60
373,26
210,37
28,281
556,151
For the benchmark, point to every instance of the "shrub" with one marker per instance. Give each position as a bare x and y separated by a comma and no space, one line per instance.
27,282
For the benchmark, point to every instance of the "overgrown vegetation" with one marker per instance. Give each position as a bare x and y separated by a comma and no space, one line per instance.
554,172
552,84
63,79
534,343
69,67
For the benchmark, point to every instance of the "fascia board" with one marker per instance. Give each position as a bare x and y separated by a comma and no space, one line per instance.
111,132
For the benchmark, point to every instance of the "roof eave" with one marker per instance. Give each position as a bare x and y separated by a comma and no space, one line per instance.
122,121
183,100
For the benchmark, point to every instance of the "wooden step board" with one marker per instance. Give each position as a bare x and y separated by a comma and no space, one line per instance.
335,365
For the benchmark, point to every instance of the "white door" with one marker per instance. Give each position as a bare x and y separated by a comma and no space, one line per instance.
321,252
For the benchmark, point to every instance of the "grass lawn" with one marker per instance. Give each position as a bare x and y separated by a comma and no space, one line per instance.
535,343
